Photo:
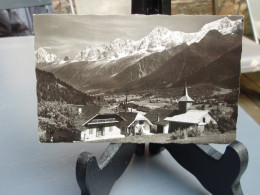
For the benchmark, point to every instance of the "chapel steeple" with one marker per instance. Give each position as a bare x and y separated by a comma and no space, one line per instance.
185,102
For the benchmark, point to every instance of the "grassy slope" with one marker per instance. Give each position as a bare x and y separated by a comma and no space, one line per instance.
225,138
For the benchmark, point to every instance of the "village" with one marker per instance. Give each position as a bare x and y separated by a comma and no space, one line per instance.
158,117
137,118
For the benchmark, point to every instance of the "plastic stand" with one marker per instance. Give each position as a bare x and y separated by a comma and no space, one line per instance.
218,173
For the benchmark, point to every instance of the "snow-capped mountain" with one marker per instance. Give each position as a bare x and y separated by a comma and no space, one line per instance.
159,60
114,50
224,25
158,40
41,55
65,60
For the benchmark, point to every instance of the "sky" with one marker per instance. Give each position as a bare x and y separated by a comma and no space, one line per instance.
67,35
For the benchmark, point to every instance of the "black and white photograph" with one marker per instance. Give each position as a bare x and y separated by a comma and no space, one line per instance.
137,78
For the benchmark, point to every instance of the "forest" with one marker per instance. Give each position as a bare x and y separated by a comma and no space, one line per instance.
50,88
57,108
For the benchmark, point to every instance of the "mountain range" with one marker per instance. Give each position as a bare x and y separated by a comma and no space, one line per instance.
42,56
163,58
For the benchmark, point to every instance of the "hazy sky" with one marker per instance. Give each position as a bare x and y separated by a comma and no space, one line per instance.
68,34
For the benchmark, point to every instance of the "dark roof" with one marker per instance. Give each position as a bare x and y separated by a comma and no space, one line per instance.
163,113
129,117
89,112
153,114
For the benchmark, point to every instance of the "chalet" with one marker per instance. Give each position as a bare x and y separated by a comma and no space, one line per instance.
136,123
97,122
187,118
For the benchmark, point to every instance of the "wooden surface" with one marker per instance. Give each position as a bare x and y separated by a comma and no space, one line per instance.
249,98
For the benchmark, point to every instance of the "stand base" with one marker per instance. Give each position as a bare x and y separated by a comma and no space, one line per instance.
219,174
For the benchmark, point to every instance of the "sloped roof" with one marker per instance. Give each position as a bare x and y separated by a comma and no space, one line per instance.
191,116
163,113
89,112
185,97
130,117
153,114
140,117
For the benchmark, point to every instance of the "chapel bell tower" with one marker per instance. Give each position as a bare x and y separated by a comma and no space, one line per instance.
185,102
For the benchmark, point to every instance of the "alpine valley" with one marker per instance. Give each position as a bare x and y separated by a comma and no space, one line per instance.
163,59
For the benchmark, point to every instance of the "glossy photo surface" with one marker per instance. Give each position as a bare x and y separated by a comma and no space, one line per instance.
140,79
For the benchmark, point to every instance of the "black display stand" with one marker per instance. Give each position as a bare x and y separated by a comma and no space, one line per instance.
219,174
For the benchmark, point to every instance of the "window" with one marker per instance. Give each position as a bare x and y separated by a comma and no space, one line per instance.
204,120
111,129
90,131
141,122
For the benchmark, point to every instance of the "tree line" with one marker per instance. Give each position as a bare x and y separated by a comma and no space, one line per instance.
50,88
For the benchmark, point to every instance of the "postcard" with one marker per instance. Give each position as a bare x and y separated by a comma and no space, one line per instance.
137,78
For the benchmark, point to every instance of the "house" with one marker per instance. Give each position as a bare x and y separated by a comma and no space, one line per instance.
96,122
187,118
196,119
157,117
136,123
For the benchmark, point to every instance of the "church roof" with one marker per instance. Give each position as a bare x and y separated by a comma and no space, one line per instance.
185,97
191,116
